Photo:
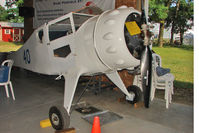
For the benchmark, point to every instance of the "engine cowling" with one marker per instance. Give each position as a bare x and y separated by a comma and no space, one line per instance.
115,47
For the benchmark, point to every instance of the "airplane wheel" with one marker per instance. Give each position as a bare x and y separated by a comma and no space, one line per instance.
137,91
59,117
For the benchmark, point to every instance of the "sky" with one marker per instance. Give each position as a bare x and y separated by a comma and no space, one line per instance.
2,2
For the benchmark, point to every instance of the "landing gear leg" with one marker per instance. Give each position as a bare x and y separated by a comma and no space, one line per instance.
60,115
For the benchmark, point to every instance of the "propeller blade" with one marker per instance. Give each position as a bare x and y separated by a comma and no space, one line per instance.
146,62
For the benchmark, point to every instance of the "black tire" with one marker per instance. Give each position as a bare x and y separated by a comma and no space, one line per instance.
59,117
137,91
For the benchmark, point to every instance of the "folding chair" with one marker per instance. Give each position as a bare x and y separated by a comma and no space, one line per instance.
5,71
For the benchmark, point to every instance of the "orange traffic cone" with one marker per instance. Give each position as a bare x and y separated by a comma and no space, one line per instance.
96,125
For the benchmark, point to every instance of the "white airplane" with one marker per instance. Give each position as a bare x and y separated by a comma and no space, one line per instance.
79,44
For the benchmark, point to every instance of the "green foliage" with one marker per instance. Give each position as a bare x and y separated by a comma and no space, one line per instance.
3,14
177,16
14,15
158,10
172,15
185,13
11,13
181,17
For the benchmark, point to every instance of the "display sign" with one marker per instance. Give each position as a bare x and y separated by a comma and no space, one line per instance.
46,10
133,28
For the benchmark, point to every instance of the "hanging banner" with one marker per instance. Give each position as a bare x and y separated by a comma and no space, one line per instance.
46,10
